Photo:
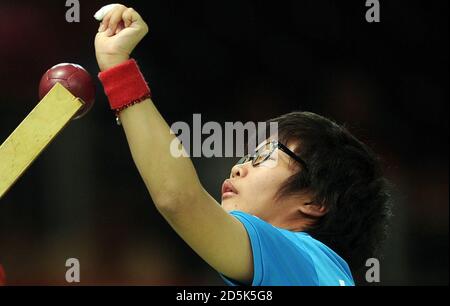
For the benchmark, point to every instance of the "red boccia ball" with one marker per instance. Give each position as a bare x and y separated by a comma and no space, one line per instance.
73,77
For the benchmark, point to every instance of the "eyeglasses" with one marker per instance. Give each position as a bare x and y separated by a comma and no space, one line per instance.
265,152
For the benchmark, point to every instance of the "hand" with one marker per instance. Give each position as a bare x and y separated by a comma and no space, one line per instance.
119,33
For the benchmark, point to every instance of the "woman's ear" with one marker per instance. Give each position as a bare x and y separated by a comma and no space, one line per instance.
310,207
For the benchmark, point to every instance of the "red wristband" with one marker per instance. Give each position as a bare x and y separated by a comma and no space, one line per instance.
124,85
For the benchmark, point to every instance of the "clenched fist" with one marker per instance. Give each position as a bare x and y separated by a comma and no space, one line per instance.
121,29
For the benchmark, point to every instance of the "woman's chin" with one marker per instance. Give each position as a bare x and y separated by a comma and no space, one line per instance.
229,205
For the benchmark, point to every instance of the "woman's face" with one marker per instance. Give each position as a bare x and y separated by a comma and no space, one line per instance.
253,189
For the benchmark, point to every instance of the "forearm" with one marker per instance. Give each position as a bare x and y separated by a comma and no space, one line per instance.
170,180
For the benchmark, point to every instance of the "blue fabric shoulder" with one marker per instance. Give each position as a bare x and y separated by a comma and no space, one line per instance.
282,257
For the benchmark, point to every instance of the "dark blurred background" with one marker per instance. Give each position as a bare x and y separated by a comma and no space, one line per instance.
229,61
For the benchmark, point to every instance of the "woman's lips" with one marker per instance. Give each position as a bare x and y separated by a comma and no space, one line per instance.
227,195
228,189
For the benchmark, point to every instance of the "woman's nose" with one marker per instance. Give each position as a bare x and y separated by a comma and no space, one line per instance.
239,170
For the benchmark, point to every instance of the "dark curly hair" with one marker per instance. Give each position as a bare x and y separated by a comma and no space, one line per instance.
344,175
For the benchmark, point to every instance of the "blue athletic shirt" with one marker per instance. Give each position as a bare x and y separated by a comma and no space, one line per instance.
285,258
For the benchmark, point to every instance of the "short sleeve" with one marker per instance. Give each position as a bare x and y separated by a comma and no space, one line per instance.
277,260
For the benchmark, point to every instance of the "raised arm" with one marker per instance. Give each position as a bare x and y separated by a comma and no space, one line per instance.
219,238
